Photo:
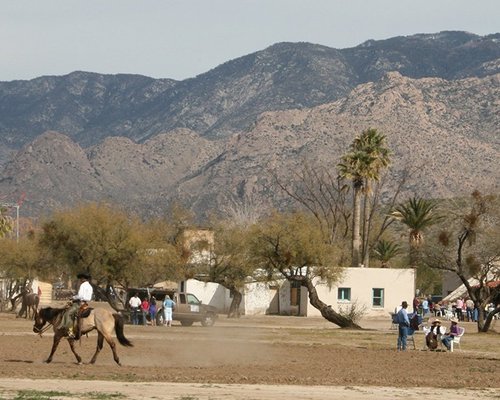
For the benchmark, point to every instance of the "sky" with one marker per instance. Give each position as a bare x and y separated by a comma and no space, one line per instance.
179,39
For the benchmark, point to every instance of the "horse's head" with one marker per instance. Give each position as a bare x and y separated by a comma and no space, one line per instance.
40,320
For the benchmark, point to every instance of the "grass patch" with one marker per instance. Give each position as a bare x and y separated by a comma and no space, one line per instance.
104,396
40,395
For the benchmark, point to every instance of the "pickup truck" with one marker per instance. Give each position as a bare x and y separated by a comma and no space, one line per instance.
188,309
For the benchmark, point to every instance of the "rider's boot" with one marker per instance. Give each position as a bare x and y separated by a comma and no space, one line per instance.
71,333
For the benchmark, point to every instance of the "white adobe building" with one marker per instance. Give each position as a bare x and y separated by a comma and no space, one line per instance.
378,290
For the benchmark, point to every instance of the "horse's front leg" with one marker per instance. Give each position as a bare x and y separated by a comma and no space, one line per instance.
57,339
100,342
72,345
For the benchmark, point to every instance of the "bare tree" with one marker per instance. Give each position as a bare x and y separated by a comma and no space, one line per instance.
470,249
324,195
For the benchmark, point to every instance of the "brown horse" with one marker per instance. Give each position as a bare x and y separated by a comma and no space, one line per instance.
100,319
29,303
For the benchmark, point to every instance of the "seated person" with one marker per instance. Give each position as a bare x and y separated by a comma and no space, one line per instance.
432,336
454,331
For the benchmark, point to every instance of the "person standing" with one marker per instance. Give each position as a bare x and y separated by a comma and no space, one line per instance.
425,307
152,310
85,292
145,310
168,307
416,304
469,304
459,309
403,325
135,304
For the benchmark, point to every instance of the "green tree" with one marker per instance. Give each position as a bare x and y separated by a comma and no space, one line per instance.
385,251
368,156
469,247
113,247
417,214
20,262
293,247
230,263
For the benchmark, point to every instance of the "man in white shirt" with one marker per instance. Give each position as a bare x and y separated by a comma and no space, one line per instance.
84,295
135,304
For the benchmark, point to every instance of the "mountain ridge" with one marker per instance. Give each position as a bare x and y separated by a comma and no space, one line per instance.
227,99
448,129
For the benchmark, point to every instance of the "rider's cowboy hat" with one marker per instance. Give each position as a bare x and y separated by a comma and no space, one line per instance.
455,320
83,275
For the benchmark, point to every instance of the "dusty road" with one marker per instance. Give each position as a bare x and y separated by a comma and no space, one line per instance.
195,391
251,358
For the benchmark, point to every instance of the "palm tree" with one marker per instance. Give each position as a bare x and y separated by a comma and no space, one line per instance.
363,164
373,144
417,214
385,251
355,166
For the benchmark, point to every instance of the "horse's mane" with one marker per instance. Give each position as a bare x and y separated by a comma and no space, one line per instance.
50,314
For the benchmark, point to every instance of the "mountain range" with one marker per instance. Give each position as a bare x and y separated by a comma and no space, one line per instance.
222,138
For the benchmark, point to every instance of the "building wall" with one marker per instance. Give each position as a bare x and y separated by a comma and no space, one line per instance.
397,284
209,293
260,298
45,289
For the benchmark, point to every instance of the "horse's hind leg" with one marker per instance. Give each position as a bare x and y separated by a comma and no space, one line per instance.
100,342
72,345
112,344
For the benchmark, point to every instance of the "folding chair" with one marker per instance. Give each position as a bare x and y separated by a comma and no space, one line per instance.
456,339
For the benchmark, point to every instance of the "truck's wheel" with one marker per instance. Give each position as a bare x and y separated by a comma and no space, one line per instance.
186,323
209,320
159,319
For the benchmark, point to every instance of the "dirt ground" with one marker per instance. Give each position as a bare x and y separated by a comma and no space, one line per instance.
254,357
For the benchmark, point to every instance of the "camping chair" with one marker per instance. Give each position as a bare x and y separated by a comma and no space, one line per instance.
394,324
456,339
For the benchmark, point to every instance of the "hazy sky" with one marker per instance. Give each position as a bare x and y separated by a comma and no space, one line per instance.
182,38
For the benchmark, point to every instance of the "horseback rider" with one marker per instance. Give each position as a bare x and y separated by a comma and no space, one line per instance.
79,301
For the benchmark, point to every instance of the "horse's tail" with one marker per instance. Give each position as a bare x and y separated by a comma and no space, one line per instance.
119,331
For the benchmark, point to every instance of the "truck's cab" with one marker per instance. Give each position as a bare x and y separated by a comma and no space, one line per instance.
188,309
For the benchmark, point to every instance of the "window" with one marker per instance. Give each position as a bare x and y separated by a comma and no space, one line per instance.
344,294
378,297
192,299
